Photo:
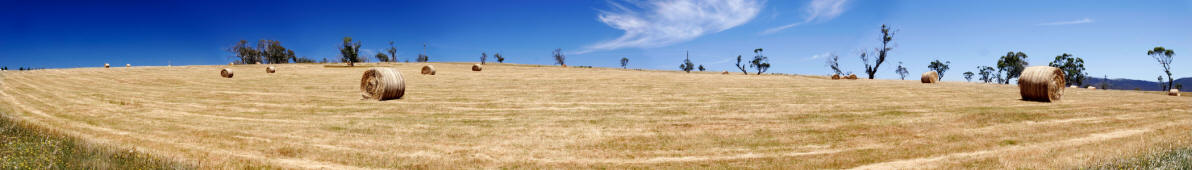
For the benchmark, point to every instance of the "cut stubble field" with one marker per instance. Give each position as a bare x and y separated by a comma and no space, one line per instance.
528,116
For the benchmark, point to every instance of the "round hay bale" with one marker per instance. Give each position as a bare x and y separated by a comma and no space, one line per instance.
930,77
835,76
1092,88
382,84
231,63
724,73
564,65
852,76
1073,86
106,65
258,62
1173,92
428,70
270,69
127,65
477,67
226,73
1041,83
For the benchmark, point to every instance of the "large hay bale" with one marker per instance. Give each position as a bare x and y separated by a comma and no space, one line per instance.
270,69
258,62
428,70
852,76
1073,86
930,77
1173,92
724,73
382,84
128,65
106,65
226,73
231,63
835,76
1041,83
477,67
1092,87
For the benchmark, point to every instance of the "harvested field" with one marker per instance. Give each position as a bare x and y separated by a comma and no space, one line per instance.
529,116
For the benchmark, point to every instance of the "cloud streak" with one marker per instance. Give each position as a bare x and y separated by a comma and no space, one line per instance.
818,56
666,22
817,10
1081,21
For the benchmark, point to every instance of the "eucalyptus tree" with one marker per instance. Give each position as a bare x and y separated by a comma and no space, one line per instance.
882,53
1072,66
1013,63
1164,56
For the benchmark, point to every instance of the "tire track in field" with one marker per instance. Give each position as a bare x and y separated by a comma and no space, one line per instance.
136,117
159,105
288,162
109,107
925,162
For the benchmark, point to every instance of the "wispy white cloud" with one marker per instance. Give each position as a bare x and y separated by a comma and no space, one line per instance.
1080,21
817,10
818,56
665,22
723,61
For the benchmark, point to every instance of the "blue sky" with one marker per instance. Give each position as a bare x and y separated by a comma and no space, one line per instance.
1112,36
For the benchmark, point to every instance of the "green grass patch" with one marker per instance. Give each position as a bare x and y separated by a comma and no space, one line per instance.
1174,159
22,147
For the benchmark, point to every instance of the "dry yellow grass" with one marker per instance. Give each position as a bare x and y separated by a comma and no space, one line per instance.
520,116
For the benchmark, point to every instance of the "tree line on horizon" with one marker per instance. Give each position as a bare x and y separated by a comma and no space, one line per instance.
272,52
1007,68
5,68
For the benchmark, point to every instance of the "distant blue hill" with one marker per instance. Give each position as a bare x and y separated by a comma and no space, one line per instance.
1131,84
